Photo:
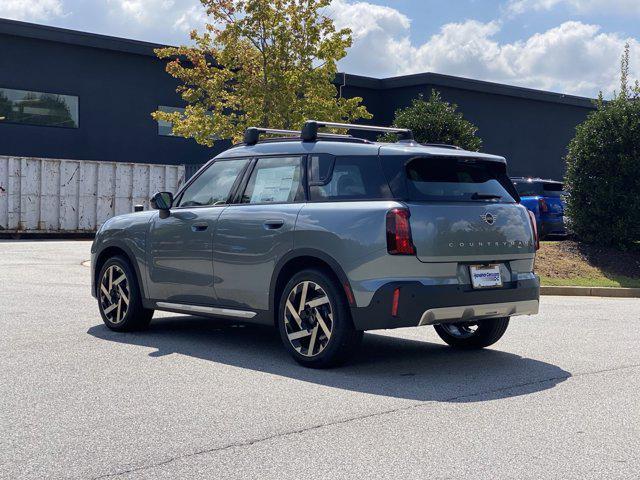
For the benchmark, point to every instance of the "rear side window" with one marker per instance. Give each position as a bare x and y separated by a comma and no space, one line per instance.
457,180
275,180
346,178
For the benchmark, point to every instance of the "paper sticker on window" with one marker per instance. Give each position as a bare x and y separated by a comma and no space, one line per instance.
275,185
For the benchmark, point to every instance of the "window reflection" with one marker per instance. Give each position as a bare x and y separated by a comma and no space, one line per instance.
38,108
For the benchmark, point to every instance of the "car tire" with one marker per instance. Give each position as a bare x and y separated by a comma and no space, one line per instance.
315,321
119,298
469,335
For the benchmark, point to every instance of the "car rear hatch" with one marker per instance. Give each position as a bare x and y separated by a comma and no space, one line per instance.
462,209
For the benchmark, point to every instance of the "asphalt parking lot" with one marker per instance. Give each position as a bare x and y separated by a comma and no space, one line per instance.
558,397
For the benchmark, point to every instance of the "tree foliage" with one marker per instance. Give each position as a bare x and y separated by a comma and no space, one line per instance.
263,63
436,121
603,169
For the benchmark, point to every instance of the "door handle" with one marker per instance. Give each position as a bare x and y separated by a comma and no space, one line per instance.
273,224
199,227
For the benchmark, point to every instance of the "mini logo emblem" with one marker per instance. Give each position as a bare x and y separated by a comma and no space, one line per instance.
488,218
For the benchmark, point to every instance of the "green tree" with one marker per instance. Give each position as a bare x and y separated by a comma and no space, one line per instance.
436,121
259,63
603,169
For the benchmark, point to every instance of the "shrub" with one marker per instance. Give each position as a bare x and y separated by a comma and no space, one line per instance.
436,121
603,170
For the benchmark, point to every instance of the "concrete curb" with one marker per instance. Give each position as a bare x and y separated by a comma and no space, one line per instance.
591,291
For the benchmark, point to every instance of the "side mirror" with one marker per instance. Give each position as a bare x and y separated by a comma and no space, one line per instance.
162,201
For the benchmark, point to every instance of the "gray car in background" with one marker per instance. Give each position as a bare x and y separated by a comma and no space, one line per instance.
325,236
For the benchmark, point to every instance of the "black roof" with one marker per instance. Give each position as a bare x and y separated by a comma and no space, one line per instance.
106,42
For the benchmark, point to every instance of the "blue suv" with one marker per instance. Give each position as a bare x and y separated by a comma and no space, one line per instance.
545,199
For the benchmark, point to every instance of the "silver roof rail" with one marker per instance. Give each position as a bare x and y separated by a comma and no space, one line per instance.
310,129
252,134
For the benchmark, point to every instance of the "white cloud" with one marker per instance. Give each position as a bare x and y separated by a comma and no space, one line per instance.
380,36
574,57
31,10
624,7
141,11
193,18
165,20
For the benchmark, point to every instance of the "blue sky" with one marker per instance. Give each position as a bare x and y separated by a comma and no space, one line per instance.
570,46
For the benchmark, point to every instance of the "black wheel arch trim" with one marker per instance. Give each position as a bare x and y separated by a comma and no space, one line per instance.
304,252
132,261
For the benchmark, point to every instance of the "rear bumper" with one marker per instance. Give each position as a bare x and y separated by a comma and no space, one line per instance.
421,304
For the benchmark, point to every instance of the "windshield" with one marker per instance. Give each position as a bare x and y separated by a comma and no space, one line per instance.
457,180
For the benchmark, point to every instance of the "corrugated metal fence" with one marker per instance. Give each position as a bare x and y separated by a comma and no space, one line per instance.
190,169
46,195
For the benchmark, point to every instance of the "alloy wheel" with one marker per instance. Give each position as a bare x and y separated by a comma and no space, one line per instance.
308,318
114,294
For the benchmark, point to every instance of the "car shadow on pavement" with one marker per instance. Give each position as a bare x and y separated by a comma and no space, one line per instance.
385,365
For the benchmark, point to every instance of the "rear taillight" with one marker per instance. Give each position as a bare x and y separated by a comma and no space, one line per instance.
534,226
543,205
399,241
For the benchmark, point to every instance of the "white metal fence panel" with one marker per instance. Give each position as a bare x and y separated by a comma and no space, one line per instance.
47,195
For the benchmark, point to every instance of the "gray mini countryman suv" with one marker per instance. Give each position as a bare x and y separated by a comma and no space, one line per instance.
325,236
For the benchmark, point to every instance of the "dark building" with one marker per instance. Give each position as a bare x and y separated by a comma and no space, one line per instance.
75,95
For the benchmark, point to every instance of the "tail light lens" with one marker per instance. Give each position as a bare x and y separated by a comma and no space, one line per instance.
399,241
534,226
543,205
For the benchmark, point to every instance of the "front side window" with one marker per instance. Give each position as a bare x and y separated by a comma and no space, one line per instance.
213,186
275,180
38,108
442,179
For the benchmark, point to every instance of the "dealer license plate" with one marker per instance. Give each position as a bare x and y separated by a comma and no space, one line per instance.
485,276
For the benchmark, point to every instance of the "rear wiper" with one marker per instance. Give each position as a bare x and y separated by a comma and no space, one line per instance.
485,196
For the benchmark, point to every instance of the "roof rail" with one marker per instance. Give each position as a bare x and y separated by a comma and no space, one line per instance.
443,145
310,129
252,134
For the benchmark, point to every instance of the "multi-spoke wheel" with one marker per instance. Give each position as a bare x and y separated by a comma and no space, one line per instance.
119,297
314,320
477,334
308,318
114,294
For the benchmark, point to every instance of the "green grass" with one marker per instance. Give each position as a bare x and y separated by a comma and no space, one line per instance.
617,281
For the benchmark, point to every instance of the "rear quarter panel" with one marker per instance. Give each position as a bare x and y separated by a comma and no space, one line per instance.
354,235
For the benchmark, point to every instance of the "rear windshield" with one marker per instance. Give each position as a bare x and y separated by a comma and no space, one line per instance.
457,180
529,188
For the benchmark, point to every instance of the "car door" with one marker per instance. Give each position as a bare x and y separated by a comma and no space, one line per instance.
255,233
180,247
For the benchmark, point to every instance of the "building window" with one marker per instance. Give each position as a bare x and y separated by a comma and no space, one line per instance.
166,128
38,108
